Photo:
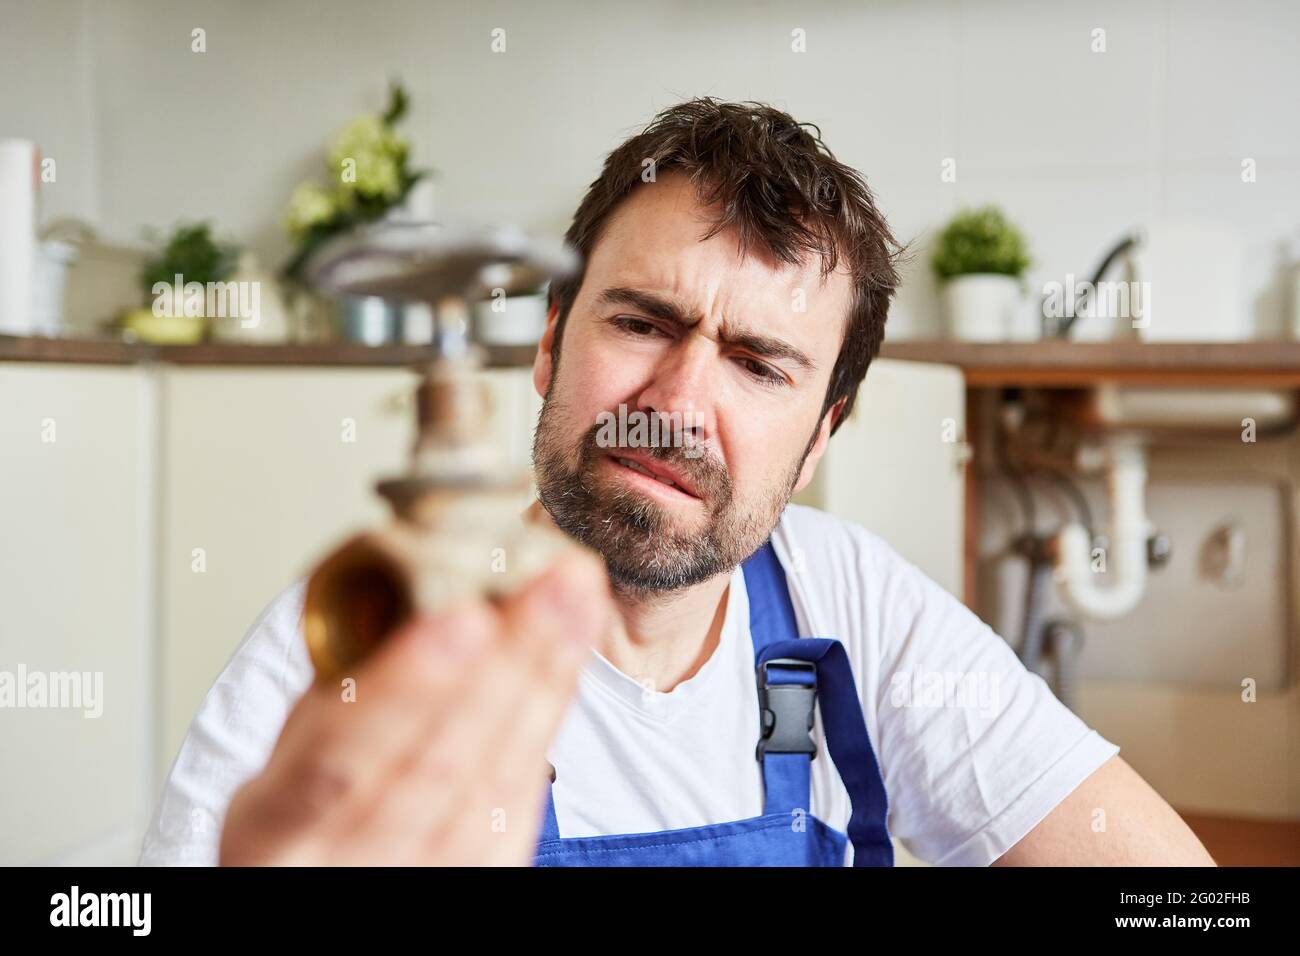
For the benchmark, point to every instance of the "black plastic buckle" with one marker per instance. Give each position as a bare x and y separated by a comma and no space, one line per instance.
786,711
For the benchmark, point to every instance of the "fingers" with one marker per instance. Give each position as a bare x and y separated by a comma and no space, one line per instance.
439,754
346,741
482,812
510,787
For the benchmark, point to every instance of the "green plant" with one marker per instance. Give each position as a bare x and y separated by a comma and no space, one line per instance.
192,253
367,164
981,241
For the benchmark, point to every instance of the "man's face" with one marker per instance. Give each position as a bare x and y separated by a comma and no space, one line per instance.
734,356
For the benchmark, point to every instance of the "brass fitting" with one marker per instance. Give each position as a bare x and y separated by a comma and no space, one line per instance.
458,531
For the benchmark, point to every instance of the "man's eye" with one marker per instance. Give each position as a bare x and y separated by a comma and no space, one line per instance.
762,371
635,326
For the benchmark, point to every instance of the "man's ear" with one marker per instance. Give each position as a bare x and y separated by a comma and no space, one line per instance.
819,445
836,411
542,369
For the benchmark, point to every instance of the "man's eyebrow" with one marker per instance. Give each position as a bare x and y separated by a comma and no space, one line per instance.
661,307
670,310
767,346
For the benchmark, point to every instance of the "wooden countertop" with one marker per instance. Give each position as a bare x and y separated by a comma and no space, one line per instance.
1235,841
1073,364
1046,364
116,352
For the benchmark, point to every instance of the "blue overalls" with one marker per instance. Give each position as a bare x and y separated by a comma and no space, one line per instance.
792,672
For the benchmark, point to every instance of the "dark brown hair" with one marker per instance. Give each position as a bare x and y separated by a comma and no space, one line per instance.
784,192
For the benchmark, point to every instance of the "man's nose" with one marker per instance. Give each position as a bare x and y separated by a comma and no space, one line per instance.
681,391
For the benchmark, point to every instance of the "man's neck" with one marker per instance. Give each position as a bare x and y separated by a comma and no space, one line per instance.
661,640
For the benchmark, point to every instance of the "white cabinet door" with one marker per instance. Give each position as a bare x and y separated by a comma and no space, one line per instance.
896,465
264,471
76,500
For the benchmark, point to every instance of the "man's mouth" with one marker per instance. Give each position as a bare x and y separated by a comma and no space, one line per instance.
656,475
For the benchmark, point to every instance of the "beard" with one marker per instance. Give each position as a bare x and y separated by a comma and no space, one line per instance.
648,546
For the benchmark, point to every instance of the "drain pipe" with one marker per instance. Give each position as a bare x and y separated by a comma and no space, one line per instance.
1126,559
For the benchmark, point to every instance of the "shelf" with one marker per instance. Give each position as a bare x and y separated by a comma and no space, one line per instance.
116,352
985,364
1060,364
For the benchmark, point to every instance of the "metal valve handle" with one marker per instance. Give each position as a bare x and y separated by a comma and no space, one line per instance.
444,266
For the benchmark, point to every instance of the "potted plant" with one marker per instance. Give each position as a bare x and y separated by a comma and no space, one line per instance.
981,259
175,283
369,178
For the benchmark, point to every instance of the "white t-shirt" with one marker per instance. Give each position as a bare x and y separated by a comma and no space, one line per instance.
974,750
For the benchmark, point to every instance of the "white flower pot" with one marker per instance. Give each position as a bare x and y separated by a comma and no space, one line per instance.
981,308
513,320
53,260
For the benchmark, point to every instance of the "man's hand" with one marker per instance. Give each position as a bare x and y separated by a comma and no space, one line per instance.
441,757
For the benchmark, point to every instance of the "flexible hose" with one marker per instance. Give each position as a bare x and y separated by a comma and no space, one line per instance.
1037,586
1064,642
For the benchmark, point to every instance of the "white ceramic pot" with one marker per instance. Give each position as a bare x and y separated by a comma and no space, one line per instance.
513,320
53,261
981,308
269,323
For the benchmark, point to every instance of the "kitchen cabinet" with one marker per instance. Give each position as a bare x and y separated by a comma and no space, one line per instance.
896,466
1168,681
76,613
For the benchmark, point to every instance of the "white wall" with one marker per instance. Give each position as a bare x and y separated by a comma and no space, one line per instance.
1077,146
47,94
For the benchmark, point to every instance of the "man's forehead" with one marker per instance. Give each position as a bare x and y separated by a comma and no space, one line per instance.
668,215
655,241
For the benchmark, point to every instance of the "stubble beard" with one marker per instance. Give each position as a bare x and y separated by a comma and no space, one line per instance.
646,547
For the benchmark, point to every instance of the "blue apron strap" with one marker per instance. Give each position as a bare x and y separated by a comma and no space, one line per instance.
771,615
849,744
787,776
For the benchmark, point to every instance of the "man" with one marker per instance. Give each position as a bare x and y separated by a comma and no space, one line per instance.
736,281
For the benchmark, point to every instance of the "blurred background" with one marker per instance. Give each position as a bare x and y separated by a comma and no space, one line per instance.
1097,341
